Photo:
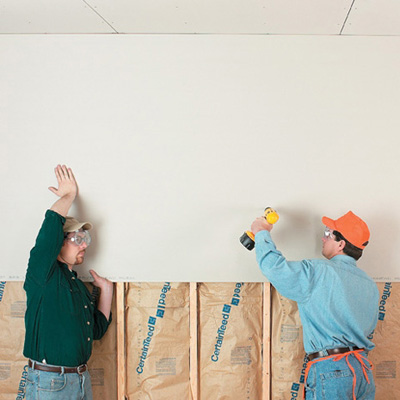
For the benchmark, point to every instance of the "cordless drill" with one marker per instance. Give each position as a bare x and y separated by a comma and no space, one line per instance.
247,239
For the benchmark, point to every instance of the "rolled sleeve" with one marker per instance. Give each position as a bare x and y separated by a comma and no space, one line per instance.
101,324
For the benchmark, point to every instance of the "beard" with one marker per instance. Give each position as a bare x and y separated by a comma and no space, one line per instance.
79,258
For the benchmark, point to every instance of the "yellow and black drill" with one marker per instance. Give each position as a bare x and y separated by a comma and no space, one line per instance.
247,239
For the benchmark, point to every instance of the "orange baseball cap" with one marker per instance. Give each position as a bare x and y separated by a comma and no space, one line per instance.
353,228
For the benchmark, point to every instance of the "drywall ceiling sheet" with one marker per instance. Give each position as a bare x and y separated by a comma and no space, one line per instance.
374,17
180,16
266,16
47,16
179,142
310,17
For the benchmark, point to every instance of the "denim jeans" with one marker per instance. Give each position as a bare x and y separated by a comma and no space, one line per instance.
333,380
42,385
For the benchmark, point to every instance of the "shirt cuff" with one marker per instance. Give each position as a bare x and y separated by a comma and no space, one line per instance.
263,237
51,213
103,318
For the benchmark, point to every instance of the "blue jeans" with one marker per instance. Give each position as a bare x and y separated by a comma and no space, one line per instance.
333,380
42,385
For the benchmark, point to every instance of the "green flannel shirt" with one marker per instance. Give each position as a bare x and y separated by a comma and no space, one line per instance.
61,319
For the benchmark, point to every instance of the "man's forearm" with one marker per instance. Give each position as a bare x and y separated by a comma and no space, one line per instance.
105,300
63,204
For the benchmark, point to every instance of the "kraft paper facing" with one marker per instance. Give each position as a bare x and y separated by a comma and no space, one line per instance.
386,355
230,353
13,368
287,352
157,337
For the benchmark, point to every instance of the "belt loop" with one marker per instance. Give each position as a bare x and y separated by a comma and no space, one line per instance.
82,377
33,364
62,371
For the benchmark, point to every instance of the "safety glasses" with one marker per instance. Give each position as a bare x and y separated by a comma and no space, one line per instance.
328,234
80,237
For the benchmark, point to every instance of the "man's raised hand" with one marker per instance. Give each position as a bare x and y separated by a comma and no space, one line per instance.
67,185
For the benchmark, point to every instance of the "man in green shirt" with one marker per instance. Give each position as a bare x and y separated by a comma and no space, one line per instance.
61,319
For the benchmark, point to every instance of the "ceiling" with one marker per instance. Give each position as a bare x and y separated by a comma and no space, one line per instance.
275,17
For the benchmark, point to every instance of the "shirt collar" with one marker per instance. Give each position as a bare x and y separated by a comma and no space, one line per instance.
344,258
65,266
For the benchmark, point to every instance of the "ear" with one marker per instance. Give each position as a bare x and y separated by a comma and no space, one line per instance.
342,245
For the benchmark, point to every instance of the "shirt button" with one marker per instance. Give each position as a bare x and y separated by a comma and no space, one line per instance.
85,306
73,277
88,339
88,323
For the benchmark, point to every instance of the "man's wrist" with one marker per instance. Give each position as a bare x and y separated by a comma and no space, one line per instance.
107,286
69,196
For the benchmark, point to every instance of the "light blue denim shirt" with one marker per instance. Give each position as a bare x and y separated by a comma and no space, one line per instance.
338,302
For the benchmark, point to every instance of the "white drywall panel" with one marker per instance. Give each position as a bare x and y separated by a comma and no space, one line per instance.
179,142
374,17
50,16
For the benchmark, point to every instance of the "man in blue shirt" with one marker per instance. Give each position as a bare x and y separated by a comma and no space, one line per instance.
338,306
